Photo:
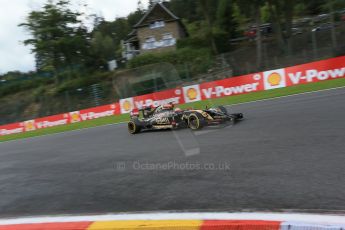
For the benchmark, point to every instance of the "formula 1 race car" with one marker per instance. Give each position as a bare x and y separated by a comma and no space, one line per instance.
166,117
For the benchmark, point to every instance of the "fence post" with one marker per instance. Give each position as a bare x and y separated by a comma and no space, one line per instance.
187,71
333,31
68,102
95,93
314,41
248,67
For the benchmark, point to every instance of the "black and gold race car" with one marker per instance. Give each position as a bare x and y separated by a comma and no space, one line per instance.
167,117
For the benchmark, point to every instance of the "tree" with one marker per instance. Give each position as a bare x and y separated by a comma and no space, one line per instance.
58,37
253,9
186,9
103,49
133,18
282,15
330,6
225,18
205,6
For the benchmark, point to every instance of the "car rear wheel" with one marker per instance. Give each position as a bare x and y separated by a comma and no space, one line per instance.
195,121
133,128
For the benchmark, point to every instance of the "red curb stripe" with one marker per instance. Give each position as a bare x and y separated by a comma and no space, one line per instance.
240,225
48,226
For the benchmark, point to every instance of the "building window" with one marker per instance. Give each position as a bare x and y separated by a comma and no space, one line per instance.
157,24
149,43
168,40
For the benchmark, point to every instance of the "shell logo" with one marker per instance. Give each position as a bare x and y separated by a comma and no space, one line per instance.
274,79
192,94
127,106
29,125
75,117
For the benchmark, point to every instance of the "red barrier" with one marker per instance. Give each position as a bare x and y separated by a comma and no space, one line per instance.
11,129
231,86
46,122
61,119
154,99
329,69
240,225
94,113
317,71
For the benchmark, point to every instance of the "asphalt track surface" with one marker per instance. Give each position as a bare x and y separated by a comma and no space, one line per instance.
288,153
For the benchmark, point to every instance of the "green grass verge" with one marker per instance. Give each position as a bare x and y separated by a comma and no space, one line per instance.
201,104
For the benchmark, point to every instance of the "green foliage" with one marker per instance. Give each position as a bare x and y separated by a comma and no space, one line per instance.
103,49
13,87
116,30
238,16
82,81
133,18
186,9
225,18
199,60
212,24
300,9
314,7
197,29
39,92
58,37
192,42
265,14
222,41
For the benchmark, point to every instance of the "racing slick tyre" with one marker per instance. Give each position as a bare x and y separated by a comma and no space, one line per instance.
133,127
195,121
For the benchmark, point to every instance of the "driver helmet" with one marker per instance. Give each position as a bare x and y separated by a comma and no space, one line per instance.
178,110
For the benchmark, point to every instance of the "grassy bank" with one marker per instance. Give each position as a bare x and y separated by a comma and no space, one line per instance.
220,101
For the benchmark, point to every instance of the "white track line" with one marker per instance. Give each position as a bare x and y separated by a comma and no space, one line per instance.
293,217
291,95
243,103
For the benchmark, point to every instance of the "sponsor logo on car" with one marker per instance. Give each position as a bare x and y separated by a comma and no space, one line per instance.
155,103
274,79
192,93
162,121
